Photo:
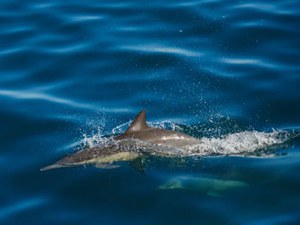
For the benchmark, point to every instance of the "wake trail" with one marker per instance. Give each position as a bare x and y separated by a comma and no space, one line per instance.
244,143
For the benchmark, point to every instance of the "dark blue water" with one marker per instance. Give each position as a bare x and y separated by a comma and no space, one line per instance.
71,71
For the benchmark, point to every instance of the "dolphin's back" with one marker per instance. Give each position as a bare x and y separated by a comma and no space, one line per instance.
140,130
160,137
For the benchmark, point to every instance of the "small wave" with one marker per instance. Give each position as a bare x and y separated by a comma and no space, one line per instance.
85,18
162,50
68,49
250,61
20,206
34,95
265,7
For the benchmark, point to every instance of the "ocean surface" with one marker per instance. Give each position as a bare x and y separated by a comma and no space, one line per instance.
227,72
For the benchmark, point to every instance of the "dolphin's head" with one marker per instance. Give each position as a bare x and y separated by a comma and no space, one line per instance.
53,166
171,184
65,162
102,157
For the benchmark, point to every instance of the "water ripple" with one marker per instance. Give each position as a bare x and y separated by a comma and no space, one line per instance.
67,49
162,50
21,206
10,51
265,7
250,61
30,95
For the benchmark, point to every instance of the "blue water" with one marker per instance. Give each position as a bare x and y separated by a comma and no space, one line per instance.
72,71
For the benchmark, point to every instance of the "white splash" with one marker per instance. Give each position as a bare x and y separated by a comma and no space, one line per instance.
240,143
95,140
121,128
169,125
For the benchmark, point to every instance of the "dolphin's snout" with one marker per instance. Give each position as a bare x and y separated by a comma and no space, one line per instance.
53,166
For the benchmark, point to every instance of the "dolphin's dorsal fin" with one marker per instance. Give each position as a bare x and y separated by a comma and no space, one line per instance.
139,123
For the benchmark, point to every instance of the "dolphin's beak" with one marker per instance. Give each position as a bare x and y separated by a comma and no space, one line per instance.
53,166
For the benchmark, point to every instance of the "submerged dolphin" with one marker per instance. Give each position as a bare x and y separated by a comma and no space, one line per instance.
208,185
139,139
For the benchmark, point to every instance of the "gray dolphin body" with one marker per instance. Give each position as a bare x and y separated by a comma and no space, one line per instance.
211,186
138,140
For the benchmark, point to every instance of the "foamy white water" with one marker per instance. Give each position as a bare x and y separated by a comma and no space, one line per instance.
244,143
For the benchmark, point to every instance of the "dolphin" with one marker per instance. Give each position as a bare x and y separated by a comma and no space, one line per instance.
211,186
138,140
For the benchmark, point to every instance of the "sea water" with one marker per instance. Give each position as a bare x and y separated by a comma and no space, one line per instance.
75,72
